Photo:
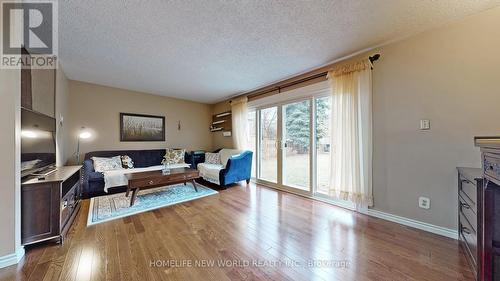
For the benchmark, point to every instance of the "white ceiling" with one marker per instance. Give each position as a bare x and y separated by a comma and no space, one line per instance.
208,50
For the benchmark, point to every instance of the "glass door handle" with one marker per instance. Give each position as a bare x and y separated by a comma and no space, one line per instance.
280,144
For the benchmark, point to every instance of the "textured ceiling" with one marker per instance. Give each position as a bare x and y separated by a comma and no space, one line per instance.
208,50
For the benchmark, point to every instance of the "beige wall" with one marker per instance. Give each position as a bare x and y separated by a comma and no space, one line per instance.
220,141
61,110
97,108
450,76
43,92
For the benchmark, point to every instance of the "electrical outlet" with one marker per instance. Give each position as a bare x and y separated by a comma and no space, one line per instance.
425,124
424,203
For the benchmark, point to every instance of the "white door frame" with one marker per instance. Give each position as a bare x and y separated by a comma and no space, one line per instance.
312,93
258,145
280,156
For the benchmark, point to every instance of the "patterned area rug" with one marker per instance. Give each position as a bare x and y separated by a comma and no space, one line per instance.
114,206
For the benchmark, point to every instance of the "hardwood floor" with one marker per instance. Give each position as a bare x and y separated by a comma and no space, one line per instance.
255,225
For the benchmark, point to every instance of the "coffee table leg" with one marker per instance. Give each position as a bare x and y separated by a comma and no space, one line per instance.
134,194
128,191
194,185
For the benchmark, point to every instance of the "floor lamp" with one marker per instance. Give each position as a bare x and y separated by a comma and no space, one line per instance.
83,135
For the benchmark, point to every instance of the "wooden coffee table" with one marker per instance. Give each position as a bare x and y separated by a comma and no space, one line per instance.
145,180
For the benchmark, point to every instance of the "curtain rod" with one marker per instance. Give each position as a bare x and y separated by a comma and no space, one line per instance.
372,59
315,76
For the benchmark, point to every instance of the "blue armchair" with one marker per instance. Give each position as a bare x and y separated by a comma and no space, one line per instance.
238,167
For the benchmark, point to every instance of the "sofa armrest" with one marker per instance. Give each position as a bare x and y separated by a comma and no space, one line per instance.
238,168
188,158
87,169
193,158
88,166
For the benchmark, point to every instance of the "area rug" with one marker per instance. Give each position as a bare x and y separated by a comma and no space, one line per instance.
115,206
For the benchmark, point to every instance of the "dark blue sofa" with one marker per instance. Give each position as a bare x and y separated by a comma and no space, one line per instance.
93,182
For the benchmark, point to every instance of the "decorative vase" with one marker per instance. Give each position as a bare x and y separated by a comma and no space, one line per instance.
166,169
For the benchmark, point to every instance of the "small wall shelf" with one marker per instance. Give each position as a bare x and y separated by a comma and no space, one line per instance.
221,122
218,122
223,114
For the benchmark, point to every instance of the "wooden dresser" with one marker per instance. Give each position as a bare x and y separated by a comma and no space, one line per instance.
49,206
470,184
489,243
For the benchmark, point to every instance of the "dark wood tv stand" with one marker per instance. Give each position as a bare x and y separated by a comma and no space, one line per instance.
49,205
489,221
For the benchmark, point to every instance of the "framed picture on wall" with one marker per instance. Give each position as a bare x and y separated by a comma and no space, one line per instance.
141,127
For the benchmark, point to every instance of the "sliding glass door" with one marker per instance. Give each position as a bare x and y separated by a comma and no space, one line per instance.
252,139
268,144
293,144
324,148
296,145
284,145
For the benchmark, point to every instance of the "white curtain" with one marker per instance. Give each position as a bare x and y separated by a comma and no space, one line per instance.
239,118
351,133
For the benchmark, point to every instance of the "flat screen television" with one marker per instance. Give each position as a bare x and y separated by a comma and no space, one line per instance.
38,143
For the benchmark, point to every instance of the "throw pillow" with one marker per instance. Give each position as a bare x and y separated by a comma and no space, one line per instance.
127,162
174,156
102,164
212,158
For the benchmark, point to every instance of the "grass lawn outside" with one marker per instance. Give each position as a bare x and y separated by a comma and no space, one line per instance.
296,169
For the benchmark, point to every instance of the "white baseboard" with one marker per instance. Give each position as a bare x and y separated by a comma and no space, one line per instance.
12,259
439,230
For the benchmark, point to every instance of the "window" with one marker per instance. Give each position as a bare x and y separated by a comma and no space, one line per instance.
252,138
323,146
293,140
296,144
269,144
